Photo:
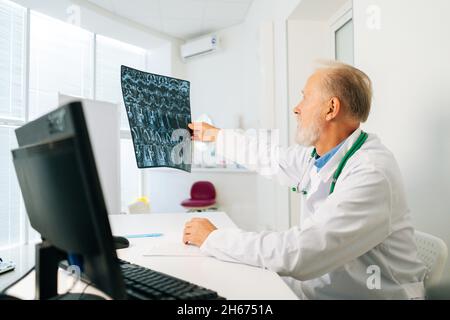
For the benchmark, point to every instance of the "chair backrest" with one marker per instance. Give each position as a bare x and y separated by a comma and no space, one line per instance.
433,252
203,190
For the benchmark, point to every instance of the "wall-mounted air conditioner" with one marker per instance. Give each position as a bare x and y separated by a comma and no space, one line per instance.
199,47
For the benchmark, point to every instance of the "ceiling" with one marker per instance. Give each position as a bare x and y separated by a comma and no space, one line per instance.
183,19
317,9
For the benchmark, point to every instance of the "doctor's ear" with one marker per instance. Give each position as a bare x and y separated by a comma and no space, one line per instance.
334,106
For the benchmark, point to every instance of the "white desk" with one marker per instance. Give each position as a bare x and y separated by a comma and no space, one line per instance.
230,280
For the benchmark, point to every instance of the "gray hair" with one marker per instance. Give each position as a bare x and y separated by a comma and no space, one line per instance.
352,86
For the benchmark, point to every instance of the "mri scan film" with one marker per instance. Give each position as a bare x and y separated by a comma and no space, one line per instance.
158,110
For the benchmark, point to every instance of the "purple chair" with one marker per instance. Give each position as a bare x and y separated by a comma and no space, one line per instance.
203,197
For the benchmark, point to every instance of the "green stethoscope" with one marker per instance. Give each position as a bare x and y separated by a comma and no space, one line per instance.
355,147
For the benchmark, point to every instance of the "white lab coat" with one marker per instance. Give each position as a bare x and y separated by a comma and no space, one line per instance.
356,243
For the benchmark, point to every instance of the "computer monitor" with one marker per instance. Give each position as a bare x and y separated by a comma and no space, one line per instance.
57,174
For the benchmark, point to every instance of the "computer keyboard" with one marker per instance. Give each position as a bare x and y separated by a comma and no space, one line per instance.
146,284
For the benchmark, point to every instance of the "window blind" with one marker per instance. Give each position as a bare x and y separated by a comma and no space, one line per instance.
12,109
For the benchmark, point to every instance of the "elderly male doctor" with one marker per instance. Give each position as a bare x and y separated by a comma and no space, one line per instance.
355,238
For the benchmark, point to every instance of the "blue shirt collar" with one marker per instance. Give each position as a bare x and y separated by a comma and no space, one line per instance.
320,162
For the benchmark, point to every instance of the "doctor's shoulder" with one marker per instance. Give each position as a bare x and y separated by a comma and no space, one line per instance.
373,153
375,158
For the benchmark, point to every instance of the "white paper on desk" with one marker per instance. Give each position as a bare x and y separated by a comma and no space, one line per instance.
172,249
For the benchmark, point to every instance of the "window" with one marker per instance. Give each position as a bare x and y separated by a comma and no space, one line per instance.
12,114
63,59
12,58
342,35
344,43
110,55
60,62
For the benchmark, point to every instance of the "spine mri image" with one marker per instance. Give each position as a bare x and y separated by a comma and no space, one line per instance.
158,110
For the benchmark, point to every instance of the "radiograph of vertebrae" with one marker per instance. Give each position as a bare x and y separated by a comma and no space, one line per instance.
156,106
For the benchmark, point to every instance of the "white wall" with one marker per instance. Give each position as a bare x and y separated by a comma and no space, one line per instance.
235,194
219,82
234,83
217,89
307,42
220,88
265,83
309,39
408,59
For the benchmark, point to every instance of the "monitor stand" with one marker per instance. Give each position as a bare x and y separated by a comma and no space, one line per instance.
77,296
48,258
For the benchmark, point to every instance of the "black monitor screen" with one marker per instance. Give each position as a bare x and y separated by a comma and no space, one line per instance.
63,198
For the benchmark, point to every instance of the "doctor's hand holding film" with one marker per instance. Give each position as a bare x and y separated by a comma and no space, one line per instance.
203,131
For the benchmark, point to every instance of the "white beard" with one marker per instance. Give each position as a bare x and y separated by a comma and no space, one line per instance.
307,137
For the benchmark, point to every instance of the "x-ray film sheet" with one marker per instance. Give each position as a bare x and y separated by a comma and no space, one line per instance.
158,110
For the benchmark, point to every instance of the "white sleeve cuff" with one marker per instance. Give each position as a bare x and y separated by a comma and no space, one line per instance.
208,244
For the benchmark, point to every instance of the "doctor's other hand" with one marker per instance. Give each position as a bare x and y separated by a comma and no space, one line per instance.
203,131
197,230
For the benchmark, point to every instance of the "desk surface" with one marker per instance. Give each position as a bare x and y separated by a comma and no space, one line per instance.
230,280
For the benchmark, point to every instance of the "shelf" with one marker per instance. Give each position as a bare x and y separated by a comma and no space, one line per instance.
221,170
204,170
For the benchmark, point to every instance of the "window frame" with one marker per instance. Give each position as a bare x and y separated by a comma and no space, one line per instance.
125,134
338,20
13,123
